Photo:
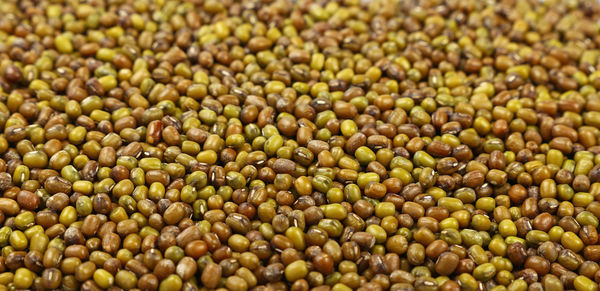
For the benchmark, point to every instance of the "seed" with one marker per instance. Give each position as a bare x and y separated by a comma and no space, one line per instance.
367,145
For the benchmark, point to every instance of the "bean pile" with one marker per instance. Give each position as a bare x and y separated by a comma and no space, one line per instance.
300,145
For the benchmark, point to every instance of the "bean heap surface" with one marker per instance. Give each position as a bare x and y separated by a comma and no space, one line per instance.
300,145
